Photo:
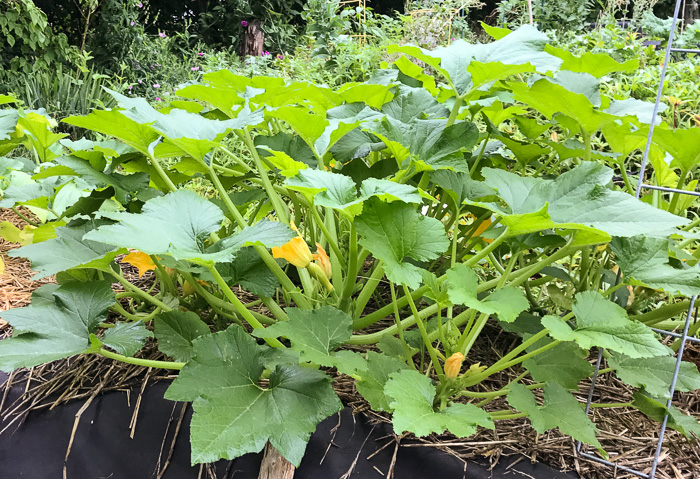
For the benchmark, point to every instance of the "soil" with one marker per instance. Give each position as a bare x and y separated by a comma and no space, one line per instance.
627,435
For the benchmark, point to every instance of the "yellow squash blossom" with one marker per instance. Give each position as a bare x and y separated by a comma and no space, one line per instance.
453,364
296,251
140,261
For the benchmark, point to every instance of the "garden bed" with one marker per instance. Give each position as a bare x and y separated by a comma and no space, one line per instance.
126,400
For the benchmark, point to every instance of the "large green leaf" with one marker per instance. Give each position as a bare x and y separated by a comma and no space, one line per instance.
394,232
340,192
370,383
654,374
565,364
56,326
596,64
644,261
656,410
8,123
175,332
178,223
315,334
250,271
412,397
113,123
193,134
431,143
580,196
460,186
549,99
602,323
560,409
683,145
126,338
507,303
69,249
468,66
413,104
233,415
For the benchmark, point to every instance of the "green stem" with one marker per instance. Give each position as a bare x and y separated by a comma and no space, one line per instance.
662,313
31,222
148,363
424,334
117,308
677,196
625,177
161,172
474,167
136,291
455,110
587,144
503,417
236,159
240,308
366,293
279,206
612,404
351,278
327,234
485,252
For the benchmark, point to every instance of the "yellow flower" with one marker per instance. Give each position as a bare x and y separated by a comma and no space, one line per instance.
140,261
453,365
323,260
296,251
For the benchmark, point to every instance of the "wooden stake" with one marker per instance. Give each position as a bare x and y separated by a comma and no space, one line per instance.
274,466
529,10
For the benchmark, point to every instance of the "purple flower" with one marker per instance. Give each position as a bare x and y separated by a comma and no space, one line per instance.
244,23
266,53
156,85
140,5
157,98
280,57
161,34
174,89
194,69
140,81
200,54
130,87
132,23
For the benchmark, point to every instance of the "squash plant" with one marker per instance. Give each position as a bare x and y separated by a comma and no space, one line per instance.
467,184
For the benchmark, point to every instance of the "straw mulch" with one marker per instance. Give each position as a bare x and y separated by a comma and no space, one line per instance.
627,435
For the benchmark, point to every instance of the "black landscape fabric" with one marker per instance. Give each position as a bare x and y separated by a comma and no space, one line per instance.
102,447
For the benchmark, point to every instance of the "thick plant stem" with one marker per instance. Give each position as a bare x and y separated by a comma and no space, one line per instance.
25,218
515,278
141,294
366,292
148,363
424,334
261,250
455,110
279,205
351,277
663,313
161,172
485,252
677,196
327,234
240,307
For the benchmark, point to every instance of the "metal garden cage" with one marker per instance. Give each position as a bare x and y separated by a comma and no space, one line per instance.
684,337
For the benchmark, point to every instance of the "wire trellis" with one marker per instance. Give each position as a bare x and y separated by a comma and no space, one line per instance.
684,337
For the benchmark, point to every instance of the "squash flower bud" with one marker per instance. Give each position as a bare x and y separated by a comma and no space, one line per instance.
453,364
323,260
296,251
